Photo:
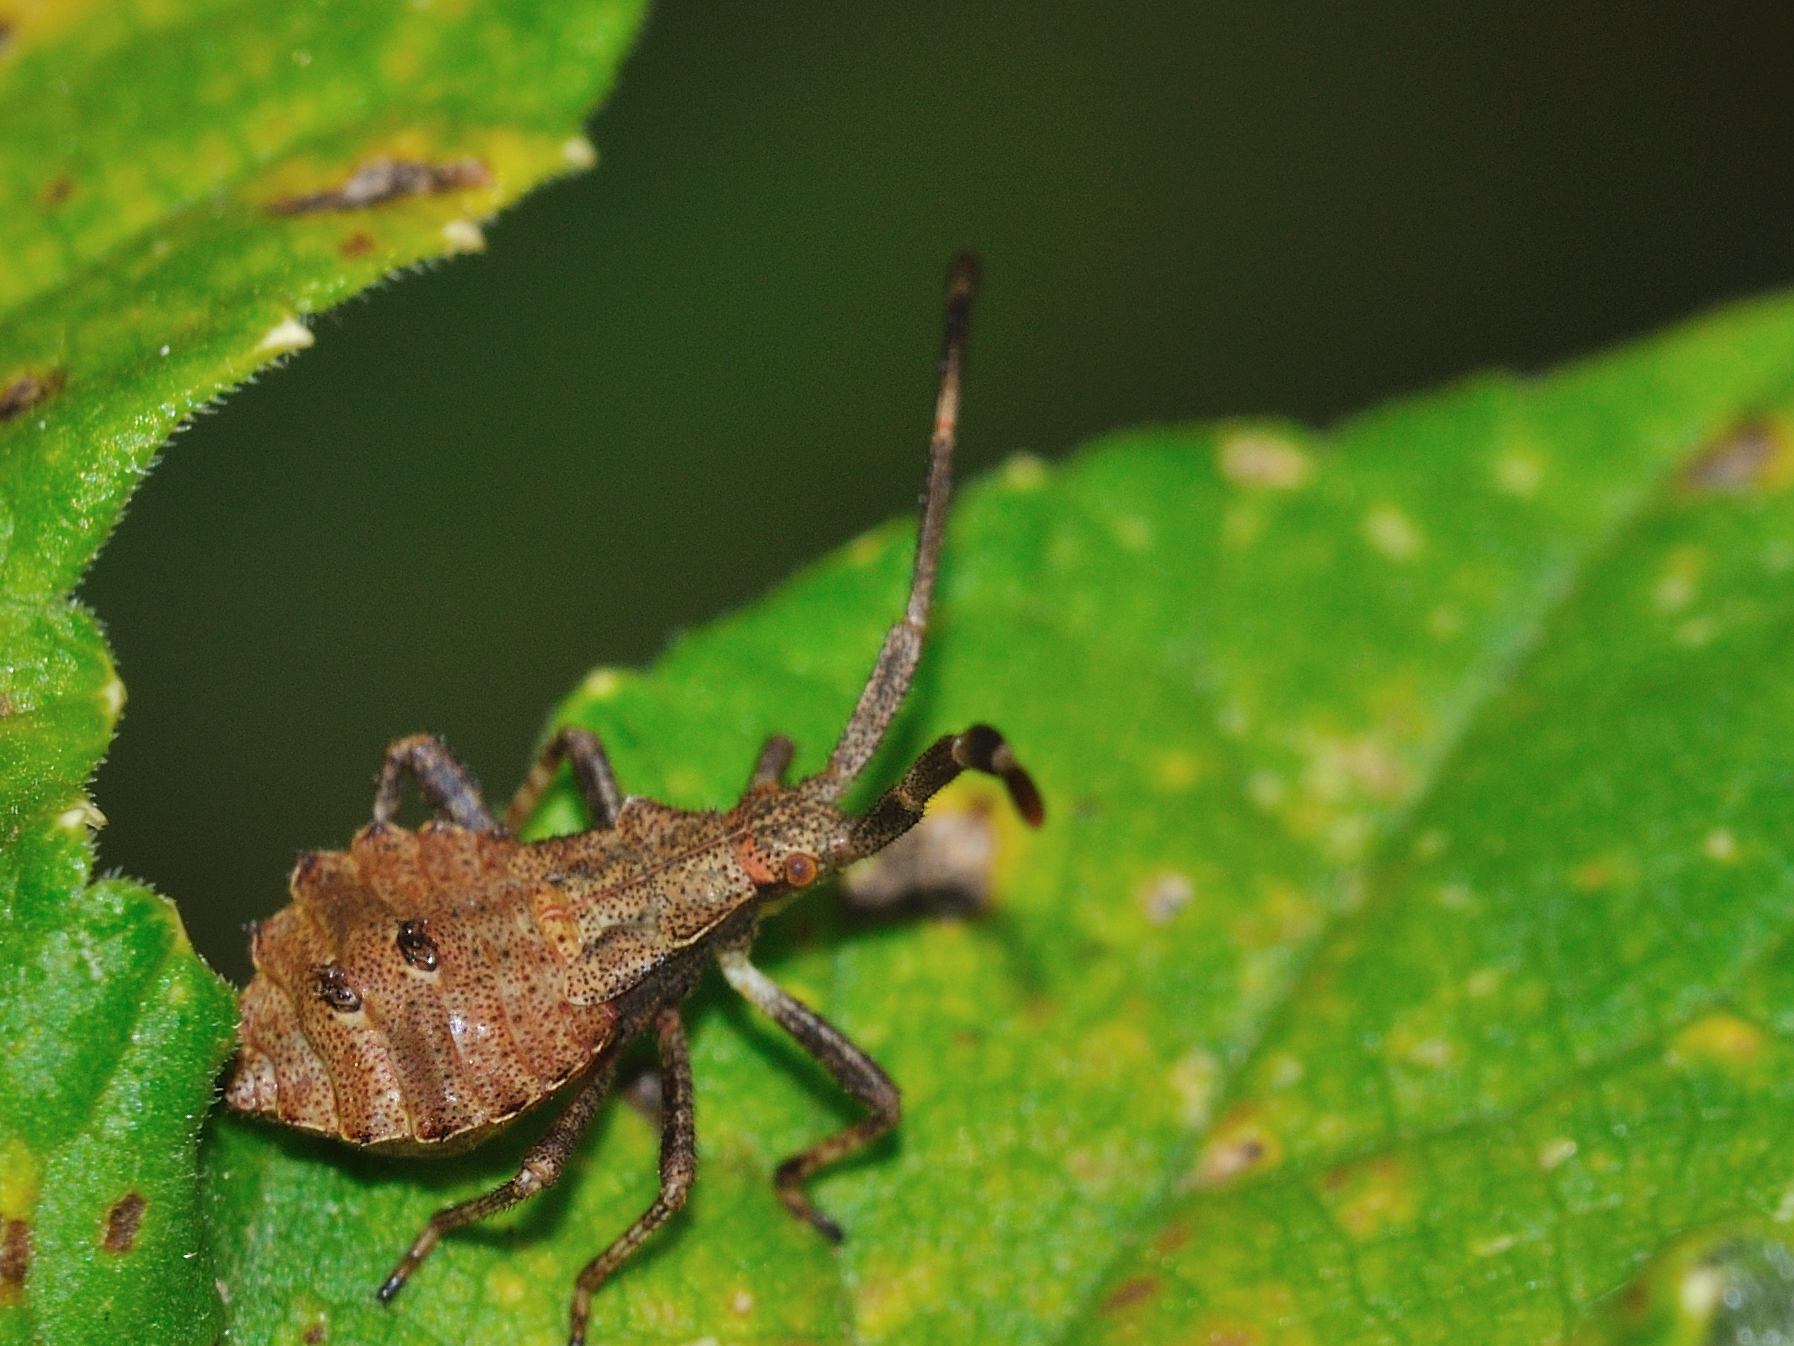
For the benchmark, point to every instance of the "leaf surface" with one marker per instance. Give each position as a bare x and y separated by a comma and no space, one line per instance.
181,186
1401,959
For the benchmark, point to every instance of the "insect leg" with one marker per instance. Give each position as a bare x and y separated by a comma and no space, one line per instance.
591,772
898,656
678,1165
979,748
541,1168
851,1068
446,786
772,763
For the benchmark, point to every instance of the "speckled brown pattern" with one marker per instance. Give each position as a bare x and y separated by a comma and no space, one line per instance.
532,940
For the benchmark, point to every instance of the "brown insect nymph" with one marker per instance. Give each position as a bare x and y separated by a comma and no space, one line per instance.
426,987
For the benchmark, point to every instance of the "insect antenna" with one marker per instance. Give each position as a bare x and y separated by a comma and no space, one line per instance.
902,649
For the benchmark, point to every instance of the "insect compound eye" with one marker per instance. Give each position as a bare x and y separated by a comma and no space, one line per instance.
800,869
335,991
417,947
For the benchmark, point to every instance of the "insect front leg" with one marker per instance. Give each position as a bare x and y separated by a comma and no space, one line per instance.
541,1168
678,1166
591,772
851,1068
446,786
979,748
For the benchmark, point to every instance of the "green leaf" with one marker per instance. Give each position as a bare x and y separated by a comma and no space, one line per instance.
182,185
1399,960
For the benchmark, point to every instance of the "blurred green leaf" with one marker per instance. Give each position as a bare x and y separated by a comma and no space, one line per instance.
1400,960
181,185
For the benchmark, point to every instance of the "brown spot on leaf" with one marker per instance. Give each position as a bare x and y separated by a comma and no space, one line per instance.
24,391
57,191
315,1332
15,1259
1172,1237
1240,1145
6,33
123,1221
1134,1290
1754,455
379,181
358,244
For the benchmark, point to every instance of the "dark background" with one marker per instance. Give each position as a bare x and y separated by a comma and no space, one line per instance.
670,382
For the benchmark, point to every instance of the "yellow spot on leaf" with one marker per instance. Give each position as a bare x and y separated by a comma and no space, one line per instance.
1444,622
1242,524
578,152
1456,897
1133,533
1701,1290
1340,768
1371,1197
1555,1151
1718,1039
1266,789
1262,459
1285,1070
1433,1053
1176,771
1518,473
1696,632
1431,844
1024,472
601,684
1393,533
1485,981
1720,845
1680,580
19,1174
505,1286
1195,1078
112,697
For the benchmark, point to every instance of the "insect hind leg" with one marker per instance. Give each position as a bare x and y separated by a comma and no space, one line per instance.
541,1168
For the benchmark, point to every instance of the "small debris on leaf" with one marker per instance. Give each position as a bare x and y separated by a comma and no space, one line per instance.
381,180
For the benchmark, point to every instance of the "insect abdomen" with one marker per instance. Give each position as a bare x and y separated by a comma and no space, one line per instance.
408,995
